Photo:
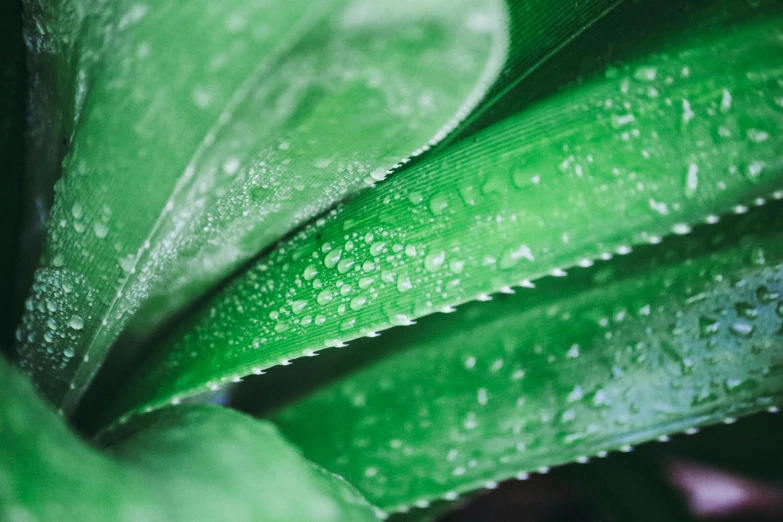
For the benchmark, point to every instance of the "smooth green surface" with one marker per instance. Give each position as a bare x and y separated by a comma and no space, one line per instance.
679,335
191,464
647,150
201,133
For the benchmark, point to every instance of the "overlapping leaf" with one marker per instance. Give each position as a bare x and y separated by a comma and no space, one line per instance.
200,133
189,464
650,149
626,351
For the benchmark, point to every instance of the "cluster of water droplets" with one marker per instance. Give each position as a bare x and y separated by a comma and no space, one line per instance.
348,275
701,339
63,302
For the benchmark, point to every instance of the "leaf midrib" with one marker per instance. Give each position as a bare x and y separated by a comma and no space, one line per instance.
304,26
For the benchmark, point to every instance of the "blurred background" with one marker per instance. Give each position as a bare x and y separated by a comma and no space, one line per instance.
725,473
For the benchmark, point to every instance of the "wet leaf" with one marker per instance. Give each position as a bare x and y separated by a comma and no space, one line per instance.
193,463
668,339
201,133
648,149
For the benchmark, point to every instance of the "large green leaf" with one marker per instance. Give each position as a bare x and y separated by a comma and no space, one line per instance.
190,464
539,29
675,336
647,150
200,133
599,38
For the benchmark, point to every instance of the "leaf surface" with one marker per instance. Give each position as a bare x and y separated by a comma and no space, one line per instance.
648,150
202,133
670,338
195,463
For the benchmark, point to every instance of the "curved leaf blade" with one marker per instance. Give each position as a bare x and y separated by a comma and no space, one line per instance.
631,350
203,134
190,464
574,179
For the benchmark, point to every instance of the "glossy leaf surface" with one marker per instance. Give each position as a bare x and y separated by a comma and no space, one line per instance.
202,133
647,150
621,353
189,464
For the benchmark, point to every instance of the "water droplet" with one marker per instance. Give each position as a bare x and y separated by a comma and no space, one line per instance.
513,256
681,228
646,73
434,261
576,394
622,120
741,328
69,352
692,180
415,198
368,266
404,282
310,272
708,326
746,310
345,265
468,195
325,297
127,263
319,320
100,229
358,302
438,205
377,248
281,327
754,170
725,101
76,211
333,257
76,322
765,295
298,306
758,136
231,166
348,323
687,112
364,282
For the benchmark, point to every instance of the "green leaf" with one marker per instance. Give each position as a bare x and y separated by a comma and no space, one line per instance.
539,29
191,464
671,337
599,37
203,133
649,149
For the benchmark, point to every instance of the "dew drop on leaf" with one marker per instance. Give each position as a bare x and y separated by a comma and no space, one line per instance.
76,322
